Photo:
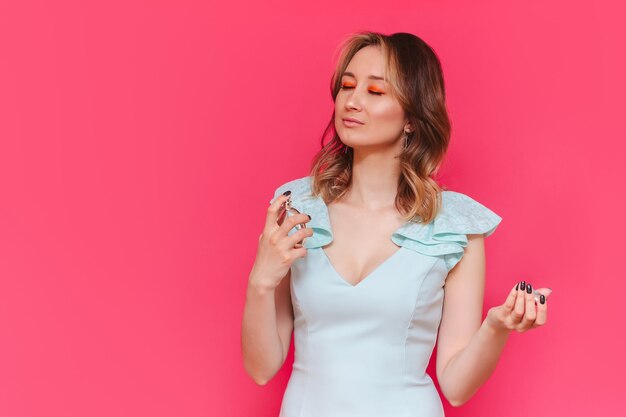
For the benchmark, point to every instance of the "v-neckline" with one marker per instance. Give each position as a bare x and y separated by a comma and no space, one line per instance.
375,270
368,276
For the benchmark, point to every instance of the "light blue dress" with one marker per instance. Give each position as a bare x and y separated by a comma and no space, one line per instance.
362,350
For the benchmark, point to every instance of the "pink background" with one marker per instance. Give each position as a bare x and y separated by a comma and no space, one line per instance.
140,143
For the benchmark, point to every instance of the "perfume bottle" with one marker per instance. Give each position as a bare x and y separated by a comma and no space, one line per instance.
288,212
538,295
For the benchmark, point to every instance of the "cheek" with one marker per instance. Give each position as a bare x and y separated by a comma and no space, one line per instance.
339,109
338,103
388,111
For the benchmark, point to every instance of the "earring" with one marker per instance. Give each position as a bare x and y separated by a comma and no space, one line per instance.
406,139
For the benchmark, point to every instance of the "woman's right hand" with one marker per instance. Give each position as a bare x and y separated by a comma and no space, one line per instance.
276,250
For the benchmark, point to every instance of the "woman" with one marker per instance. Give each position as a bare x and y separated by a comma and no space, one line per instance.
387,263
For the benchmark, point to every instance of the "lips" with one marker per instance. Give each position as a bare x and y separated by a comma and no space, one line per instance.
350,119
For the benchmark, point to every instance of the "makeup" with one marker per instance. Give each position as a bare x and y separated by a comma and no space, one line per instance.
289,211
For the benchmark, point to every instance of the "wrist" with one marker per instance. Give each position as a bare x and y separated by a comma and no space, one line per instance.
258,286
494,327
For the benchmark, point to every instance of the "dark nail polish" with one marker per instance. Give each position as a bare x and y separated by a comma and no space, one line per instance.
529,289
309,216
542,299
522,285
287,192
517,287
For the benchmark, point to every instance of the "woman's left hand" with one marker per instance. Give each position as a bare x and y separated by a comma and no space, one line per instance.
519,312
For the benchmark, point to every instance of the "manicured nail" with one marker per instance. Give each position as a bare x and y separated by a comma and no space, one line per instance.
287,192
529,289
542,299
522,285
517,287
309,216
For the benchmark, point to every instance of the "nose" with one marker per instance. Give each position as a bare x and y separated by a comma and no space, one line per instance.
353,100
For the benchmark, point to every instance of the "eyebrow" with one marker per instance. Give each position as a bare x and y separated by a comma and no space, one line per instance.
371,77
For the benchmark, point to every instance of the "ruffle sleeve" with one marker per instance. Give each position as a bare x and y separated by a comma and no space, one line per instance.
303,201
446,235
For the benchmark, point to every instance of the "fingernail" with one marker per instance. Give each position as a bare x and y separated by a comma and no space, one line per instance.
517,287
309,217
529,289
542,299
287,192
522,285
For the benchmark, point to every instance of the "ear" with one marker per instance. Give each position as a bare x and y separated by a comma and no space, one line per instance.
408,128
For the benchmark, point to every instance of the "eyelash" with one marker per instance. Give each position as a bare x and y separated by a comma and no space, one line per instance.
345,87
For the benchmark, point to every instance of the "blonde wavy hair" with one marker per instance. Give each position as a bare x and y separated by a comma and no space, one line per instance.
416,79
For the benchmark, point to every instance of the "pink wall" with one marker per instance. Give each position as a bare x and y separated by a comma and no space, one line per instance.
140,143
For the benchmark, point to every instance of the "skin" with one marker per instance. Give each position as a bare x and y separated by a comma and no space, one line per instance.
468,348
365,217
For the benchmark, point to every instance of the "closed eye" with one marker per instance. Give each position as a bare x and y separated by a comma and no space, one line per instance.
347,87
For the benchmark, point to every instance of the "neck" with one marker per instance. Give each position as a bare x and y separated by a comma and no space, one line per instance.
375,174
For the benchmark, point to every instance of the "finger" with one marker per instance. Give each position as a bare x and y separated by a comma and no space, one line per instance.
273,211
542,313
518,311
301,234
544,291
299,252
531,311
291,221
509,303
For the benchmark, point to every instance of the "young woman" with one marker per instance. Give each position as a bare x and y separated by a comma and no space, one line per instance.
387,263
